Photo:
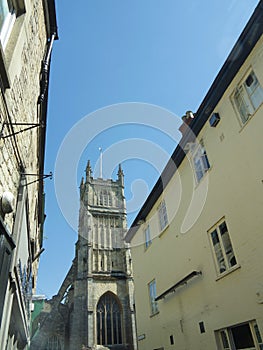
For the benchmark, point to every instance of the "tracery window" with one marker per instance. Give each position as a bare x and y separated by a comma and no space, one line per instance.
109,320
53,343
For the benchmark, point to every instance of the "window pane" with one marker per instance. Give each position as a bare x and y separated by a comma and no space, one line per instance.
259,339
243,105
231,260
4,10
152,294
198,168
163,215
242,337
7,18
218,252
254,90
147,237
257,97
224,340
200,161
205,161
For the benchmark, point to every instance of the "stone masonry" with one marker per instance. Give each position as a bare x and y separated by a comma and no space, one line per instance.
94,307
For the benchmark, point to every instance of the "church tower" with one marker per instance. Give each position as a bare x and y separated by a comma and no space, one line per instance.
94,306
102,299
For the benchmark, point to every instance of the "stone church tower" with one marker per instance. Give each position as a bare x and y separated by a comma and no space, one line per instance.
94,305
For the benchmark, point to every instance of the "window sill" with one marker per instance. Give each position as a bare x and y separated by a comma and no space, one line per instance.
155,314
222,275
163,231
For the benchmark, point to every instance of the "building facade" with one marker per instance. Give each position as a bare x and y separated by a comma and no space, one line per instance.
94,306
27,31
196,243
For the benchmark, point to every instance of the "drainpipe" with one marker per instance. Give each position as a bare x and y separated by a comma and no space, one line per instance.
45,70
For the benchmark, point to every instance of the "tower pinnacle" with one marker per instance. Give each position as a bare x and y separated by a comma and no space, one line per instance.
88,171
121,176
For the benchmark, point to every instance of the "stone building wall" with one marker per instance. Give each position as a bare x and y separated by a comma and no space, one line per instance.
22,153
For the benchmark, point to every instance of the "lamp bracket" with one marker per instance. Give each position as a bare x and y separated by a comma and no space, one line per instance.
29,126
39,177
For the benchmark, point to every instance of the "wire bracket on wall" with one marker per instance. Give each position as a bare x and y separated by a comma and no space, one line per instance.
40,177
29,126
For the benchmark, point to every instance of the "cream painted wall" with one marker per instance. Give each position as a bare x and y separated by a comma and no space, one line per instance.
234,190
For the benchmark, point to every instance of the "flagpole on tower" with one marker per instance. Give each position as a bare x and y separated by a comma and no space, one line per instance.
100,149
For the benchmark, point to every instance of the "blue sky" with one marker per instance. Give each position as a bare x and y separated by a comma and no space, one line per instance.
164,53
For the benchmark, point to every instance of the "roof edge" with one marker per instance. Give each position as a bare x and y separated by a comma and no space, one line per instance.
239,53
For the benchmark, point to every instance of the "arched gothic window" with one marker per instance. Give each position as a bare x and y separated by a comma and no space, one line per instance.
109,320
53,343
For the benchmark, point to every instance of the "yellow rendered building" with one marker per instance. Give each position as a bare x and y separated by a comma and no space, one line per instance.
197,241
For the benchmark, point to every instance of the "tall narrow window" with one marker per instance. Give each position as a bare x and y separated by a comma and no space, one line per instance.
200,160
109,320
222,246
105,198
147,235
152,296
248,97
163,218
101,199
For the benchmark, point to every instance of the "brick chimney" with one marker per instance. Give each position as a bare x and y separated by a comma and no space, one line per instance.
187,119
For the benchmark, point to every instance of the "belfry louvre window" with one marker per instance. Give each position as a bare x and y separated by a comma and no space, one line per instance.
109,320
53,343
248,97
222,247
163,218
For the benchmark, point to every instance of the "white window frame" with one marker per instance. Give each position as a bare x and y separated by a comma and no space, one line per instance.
222,248
162,214
152,295
8,22
200,160
228,342
243,98
147,237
